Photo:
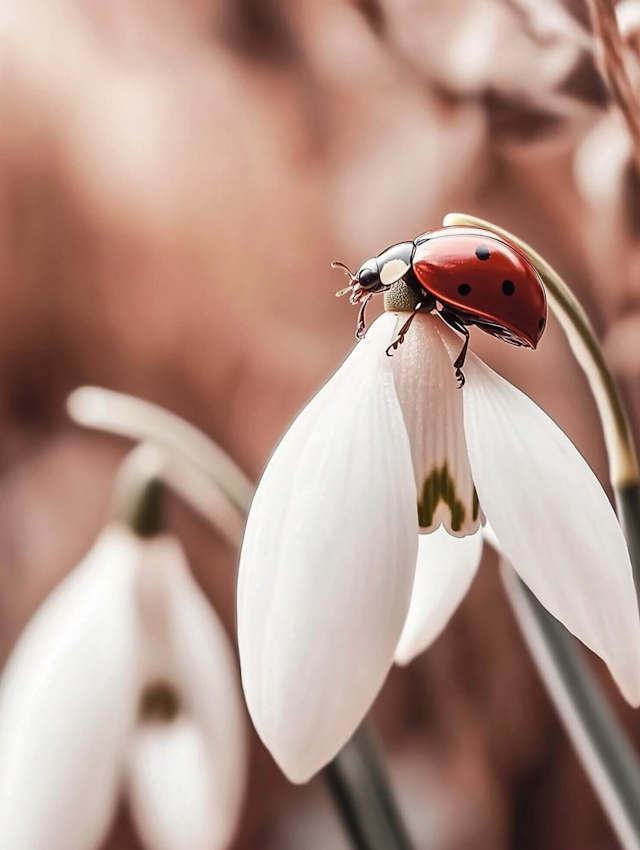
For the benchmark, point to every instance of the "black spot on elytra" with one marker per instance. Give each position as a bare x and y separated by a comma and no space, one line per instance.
464,289
541,324
482,252
508,287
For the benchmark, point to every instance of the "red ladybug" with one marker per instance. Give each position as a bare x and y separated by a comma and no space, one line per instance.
469,276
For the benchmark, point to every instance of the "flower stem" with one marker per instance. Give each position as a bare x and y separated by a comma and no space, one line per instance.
623,461
139,494
628,509
597,736
607,754
131,417
177,454
184,458
360,789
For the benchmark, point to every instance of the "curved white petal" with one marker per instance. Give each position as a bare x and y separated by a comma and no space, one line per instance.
431,403
489,536
553,520
67,705
186,774
446,567
327,563
172,788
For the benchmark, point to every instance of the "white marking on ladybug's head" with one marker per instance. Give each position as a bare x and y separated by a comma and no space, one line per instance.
393,271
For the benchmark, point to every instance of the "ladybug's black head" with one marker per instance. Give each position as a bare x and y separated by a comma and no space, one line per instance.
368,276
379,273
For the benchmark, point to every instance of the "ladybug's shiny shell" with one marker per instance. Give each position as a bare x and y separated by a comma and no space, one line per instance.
484,279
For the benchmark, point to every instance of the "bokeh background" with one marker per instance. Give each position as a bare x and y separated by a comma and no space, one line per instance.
175,178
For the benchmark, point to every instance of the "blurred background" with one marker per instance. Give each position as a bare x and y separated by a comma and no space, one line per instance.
175,178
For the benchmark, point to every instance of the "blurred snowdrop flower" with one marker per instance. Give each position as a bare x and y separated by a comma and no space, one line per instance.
628,17
124,680
340,574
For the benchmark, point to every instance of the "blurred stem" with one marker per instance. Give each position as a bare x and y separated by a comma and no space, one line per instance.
176,454
604,749
139,498
610,50
145,475
136,419
187,461
139,492
599,739
360,788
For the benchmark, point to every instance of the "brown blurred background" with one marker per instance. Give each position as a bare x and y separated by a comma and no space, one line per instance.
175,178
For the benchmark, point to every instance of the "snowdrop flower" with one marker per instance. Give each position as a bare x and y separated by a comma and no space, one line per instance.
124,681
340,575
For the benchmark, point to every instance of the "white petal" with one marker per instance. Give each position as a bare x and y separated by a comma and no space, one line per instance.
187,775
553,520
67,705
172,788
432,407
489,536
327,563
446,567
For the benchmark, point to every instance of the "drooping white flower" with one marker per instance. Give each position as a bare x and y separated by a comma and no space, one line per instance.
124,680
331,552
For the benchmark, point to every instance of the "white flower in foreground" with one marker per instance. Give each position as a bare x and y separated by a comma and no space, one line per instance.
124,681
331,552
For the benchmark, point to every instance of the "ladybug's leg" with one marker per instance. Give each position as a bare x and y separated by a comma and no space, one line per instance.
454,322
403,330
361,322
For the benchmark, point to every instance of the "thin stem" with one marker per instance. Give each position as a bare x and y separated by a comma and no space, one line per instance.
360,788
139,494
597,736
176,454
628,510
611,55
145,474
623,462
131,417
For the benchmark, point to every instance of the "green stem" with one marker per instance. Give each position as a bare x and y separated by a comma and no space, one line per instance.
597,736
628,509
139,494
360,788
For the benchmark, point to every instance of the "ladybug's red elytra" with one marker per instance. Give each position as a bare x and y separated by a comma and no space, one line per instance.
468,275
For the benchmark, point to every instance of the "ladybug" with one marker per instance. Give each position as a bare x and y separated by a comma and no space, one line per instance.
468,275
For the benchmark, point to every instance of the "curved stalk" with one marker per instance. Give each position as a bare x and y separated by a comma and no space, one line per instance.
117,413
138,499
607,755
623,461
139,495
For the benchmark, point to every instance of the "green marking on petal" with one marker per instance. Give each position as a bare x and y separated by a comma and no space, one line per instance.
476,505
159,702
438,487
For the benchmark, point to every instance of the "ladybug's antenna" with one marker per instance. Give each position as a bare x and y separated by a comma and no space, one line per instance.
347,271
